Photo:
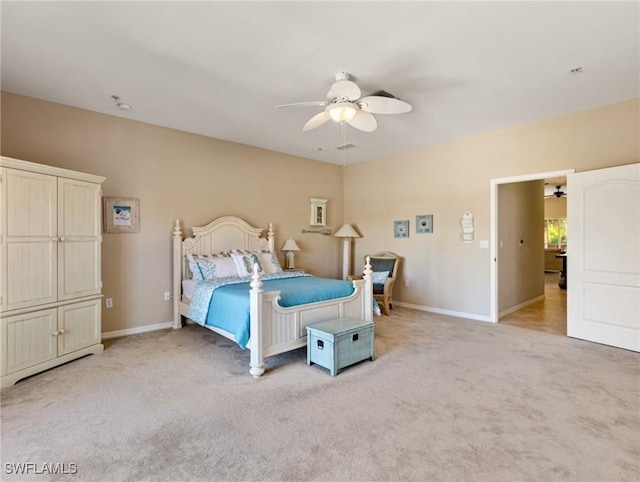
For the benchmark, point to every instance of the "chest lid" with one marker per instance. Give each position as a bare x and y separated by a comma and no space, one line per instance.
339,325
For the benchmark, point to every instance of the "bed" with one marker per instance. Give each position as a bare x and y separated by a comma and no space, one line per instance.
271,327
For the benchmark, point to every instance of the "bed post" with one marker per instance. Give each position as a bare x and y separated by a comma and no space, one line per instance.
368,290
271,239
255,338
177,274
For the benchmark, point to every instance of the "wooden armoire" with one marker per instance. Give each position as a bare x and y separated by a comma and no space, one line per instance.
50,272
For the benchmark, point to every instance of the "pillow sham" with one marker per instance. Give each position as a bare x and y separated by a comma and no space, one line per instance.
193,267
217,267
196,271
379,277
192,259
244,263
270,262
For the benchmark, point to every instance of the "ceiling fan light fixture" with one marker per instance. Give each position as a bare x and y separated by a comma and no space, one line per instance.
342,111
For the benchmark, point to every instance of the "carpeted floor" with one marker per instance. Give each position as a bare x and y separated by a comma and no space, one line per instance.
446,399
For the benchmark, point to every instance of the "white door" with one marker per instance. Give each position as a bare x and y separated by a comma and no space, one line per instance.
603,256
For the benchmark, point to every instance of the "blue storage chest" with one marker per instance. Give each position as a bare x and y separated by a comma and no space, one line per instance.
338,343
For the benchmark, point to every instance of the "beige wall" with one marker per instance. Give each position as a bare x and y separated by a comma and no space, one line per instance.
175,175
555,207
448,179
195,178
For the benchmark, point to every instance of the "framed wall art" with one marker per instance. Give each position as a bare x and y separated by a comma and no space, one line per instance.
401,229
120,215
318,212
424,223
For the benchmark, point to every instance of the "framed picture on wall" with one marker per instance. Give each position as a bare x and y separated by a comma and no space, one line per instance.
424,223
401,229
318,212
120,215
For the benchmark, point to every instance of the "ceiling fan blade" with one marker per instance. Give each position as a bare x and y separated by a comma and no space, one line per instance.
384,105
315,103
346,89
316,121
364,121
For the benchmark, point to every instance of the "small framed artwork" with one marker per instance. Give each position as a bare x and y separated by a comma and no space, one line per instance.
318,212
120,215
401,229
424,223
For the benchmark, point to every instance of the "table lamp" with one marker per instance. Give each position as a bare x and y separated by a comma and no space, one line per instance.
289,247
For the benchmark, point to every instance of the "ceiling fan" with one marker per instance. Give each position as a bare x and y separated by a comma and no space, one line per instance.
558,193
344,104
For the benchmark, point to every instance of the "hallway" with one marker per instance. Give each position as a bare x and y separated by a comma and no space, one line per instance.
549,314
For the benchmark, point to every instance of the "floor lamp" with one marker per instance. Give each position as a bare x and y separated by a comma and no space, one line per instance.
347,233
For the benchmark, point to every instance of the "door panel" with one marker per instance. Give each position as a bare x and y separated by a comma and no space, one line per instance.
30,239
603,262
79,224
80,325
28,340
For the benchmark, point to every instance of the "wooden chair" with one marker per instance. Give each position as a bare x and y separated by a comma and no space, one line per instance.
383,262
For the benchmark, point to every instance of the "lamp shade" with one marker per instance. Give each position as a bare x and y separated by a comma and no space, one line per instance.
346,231
290,245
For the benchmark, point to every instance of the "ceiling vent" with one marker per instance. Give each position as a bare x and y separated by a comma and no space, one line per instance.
346,147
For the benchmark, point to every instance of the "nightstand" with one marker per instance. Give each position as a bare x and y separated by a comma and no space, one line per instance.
294,270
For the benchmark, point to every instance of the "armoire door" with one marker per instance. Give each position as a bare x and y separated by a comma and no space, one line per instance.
79,325
28,340
79,227
29,239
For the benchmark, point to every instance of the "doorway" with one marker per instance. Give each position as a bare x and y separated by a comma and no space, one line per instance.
548,314
494,254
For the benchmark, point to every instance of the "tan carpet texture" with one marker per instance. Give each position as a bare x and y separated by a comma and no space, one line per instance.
446,399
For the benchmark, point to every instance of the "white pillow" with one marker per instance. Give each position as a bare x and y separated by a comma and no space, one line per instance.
217,267
196,274
379,277
245,261
270,262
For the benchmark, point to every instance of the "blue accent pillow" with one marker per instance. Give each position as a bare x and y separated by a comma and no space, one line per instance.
379,277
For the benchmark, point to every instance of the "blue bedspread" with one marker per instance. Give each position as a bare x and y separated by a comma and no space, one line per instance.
225,303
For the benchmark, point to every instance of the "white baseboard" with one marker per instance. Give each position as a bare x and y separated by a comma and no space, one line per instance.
459,314
137,330
521,305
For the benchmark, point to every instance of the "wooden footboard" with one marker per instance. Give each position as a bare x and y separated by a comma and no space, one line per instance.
274,329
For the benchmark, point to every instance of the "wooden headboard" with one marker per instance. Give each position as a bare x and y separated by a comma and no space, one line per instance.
222,234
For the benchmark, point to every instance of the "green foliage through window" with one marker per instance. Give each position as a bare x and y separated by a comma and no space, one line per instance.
555,233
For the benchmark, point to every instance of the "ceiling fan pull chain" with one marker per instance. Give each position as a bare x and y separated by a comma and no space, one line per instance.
344,143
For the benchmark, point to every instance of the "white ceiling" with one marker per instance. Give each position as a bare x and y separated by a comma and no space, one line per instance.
219,68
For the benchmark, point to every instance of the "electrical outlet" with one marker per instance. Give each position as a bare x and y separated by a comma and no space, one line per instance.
167,296
108,302
406,283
